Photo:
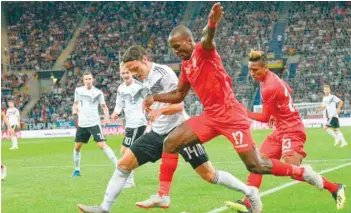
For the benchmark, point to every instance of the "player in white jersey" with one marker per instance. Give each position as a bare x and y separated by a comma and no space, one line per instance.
14,118
129,100
332,106
87,99
158,79
3,167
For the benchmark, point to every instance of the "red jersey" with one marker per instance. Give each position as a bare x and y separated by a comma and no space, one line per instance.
212,84
276,101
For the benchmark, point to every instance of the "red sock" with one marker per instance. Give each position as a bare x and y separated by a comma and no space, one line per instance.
253,180
283,169
167,168
331,187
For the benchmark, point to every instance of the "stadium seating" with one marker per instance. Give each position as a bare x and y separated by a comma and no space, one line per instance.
317,32
38,31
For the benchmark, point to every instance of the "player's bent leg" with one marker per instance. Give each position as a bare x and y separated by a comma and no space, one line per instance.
127,163
208,173
340,137
76,158
255,164
123,149
332,133
130,181
108,151
337,190
179,137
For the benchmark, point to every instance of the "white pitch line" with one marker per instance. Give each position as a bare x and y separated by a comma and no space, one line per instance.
275,189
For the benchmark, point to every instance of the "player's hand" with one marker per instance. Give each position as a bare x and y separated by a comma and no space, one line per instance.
216,13
105,121
271,122
338,111
147,103
75,112
114,116
154,114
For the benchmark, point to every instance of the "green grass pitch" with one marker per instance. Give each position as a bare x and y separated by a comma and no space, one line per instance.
39,178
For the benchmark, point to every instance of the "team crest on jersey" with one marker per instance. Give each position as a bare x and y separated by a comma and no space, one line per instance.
187,70
192,67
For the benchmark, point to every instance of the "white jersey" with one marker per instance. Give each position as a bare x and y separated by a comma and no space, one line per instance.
88,106
13,115
130,100
162,79
331,103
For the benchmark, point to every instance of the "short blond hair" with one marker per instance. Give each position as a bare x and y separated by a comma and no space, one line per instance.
256,55
326,86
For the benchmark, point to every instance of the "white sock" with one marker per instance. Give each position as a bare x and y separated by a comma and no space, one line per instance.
76,159
13,141
131,178
340,136
228,180
114,187
332,133
15,144
111,155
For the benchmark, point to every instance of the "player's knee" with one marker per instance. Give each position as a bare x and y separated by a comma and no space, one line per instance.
255,168
171,146
124,165
208,176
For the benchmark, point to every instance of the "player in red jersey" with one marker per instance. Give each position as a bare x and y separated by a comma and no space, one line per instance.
202,69
289,136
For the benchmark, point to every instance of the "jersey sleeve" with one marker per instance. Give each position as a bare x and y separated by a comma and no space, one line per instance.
183,78
336,99
75,95
269,96
102,98
119,103
262,117
170,81
205,53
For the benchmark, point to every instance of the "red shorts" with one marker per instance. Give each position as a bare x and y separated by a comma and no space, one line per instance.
236,131
277,146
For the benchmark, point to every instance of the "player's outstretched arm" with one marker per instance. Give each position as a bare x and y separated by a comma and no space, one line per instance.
174,97
118,106
172,109
321,108
340,104
262,117
106,113
167,110
75,108
215,16
6,120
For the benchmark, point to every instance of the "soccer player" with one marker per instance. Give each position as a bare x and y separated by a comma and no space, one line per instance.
158,78
202,69
9,128
332,106
14,118
289,136
129,100
87,99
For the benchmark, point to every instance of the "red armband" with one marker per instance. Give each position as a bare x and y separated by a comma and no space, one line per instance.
211,24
